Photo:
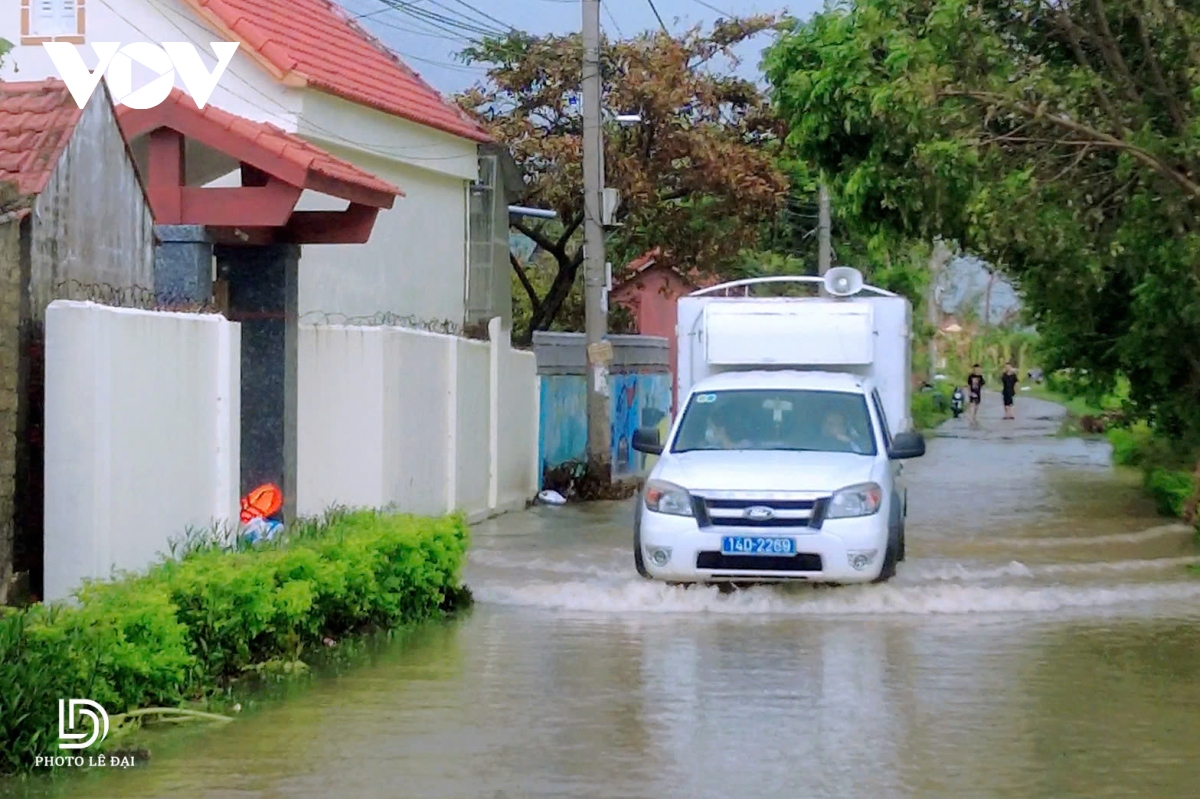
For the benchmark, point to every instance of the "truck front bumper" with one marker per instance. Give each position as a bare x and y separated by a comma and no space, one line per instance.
676,549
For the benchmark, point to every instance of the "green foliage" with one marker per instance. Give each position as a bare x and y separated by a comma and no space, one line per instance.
1170,490
932,407
189,626
1056,141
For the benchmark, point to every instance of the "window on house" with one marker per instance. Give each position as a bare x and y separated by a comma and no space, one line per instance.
52,20
481,232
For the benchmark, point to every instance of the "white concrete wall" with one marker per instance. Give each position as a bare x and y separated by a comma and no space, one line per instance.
395,417
142,436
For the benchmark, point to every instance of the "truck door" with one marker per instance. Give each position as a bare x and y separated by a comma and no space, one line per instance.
896,467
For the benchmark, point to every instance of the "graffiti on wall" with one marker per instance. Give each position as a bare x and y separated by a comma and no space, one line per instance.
563,433
637,400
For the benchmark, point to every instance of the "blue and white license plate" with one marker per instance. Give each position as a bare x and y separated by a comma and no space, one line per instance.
757,545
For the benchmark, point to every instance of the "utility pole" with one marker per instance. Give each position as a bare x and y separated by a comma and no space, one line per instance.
825,248
599,350
937,262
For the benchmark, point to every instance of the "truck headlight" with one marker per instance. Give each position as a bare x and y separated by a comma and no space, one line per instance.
664,497
853,501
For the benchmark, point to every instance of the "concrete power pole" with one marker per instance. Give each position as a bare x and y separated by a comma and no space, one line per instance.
937,262
599,351
825,247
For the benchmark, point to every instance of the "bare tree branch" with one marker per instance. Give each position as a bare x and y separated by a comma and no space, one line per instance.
1097,138
536,237
534,302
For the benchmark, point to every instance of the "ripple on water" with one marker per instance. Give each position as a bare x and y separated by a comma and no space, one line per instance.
928,598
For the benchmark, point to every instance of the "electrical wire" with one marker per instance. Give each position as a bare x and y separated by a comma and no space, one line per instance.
450,24
612,19
658,16
711,7
504,25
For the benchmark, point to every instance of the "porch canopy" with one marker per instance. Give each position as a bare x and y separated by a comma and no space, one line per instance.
184,145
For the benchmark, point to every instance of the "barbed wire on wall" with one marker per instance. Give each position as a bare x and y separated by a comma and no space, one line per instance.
147,299
132,296
382,319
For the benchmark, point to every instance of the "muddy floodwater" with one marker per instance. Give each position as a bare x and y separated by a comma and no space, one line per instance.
1041,640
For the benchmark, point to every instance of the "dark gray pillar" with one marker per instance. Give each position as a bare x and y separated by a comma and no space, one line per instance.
183,265
264,299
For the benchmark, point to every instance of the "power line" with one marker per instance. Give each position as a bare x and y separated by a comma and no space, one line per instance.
485,15
612,19
658,16
711,7
443,22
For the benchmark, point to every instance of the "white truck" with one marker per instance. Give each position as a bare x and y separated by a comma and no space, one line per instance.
785,460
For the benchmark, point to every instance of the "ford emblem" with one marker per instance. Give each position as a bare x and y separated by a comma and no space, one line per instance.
759,513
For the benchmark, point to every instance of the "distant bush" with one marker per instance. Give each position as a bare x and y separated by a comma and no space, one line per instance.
187,626
1170,490
931,407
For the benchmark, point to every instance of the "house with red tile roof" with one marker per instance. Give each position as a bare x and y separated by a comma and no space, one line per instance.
649,287
306,68
75,223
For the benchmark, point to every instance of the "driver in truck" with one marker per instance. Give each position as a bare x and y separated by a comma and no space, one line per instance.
839,437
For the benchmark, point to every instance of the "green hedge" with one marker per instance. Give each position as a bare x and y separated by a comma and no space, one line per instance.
927,411
187,626
1167,471
1170,490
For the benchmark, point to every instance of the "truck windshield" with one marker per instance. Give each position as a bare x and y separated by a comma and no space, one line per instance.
777,419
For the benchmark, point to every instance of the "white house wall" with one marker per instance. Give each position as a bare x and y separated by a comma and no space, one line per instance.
414,264
332,122
246,89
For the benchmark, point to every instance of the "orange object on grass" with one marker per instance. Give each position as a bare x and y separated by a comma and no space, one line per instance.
263,502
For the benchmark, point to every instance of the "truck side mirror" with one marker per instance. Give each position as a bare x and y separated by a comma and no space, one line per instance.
645,439
907,445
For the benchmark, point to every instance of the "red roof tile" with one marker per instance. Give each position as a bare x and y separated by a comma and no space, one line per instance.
316,41
179,112
36,122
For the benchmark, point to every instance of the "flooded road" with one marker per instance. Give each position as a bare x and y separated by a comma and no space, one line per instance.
1040,641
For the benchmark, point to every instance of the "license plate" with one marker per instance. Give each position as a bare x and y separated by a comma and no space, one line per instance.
757,545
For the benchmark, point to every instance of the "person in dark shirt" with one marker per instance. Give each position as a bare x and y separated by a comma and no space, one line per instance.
975,384
1008,389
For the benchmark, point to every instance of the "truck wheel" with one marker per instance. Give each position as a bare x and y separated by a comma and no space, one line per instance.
900,556
889,563
638,562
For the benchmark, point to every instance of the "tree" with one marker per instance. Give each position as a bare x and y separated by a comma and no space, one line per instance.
1056,139
697,176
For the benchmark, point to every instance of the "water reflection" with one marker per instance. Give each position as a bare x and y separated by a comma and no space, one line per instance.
1038,642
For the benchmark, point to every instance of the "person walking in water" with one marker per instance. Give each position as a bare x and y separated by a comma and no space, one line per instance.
1008,389
975,384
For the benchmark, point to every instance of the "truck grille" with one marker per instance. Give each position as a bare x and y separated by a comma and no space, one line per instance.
774,513
803,562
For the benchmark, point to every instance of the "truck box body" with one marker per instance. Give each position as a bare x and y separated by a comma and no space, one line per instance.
863,335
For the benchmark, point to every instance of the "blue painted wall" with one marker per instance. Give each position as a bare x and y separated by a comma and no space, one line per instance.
637,400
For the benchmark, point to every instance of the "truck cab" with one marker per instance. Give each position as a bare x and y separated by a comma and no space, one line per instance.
785,461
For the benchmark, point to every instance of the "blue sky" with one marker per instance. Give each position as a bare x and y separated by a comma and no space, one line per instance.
428,33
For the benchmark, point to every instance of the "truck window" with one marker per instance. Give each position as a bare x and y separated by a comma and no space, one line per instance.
795,420
883,422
